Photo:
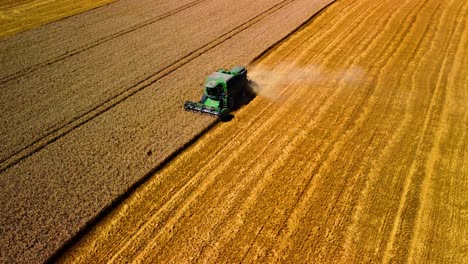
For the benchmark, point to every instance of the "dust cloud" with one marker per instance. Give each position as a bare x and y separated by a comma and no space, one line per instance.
270,82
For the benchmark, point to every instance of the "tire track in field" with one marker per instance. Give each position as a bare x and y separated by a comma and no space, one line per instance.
391,129
407,181
97,42
82,119
391,99
406,60
418,51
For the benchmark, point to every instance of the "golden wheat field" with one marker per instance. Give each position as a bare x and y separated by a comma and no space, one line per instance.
354,150
17,16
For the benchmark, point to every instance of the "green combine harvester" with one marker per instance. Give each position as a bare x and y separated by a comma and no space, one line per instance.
224,91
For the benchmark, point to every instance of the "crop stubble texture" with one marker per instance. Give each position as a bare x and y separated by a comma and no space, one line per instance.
364,163
90,104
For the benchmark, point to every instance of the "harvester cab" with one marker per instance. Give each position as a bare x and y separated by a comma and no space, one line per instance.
223,91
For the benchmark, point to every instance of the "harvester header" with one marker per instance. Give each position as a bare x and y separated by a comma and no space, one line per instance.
223,91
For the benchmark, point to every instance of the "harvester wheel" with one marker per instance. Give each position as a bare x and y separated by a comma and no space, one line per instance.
231,103
224,112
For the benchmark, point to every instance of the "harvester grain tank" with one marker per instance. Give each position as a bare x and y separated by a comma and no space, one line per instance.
223,91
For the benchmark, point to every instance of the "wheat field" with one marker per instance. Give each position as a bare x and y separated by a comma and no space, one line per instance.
354,150
18,16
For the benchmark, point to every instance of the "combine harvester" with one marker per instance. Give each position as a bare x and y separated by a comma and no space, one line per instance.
224,91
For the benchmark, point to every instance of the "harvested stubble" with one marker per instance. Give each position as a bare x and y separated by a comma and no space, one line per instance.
90,104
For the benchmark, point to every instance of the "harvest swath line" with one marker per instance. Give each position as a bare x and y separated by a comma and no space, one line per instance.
201,189
271,118
78,121
399,47
12,3
96,43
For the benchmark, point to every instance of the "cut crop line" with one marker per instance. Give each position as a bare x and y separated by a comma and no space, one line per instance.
254,240
277,46
96,43
76,122
404,36
229,201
